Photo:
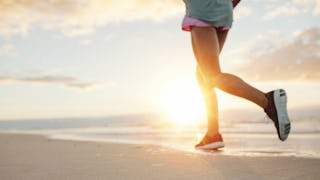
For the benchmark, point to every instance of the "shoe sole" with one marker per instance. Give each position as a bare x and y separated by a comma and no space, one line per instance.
280,101
211,146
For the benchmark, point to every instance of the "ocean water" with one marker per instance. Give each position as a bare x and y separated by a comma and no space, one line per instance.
245,133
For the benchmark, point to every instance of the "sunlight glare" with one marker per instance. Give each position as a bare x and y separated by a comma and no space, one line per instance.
183,103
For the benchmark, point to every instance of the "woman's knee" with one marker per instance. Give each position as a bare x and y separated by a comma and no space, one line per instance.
201,77
209,82
216,80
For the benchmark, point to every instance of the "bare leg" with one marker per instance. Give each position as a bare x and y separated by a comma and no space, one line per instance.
211,105
207,44
209,94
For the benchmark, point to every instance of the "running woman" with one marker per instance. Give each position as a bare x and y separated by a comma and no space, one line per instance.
209,22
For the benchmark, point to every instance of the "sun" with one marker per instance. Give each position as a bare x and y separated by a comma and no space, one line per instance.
182,103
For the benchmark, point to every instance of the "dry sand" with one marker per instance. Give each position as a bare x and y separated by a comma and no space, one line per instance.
36,157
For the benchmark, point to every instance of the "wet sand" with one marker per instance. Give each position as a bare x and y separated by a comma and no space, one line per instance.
36,157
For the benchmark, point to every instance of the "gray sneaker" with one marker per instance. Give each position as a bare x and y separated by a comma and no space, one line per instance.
277,112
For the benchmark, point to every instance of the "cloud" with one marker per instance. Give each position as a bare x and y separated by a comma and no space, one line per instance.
7,50
242,11
316,10
276,59
315,5
293,7
78,17
286,9
50,79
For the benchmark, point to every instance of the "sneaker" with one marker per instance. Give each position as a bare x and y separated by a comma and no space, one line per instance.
277,112
211,143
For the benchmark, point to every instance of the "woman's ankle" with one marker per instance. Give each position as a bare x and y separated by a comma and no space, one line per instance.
212,134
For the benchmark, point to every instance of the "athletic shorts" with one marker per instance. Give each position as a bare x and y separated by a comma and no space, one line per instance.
208,13
189,22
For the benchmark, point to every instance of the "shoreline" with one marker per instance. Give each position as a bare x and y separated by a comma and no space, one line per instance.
226,151
37,157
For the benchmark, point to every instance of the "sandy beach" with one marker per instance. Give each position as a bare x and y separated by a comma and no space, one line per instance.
37,157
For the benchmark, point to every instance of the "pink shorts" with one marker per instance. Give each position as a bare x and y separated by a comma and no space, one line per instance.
188,22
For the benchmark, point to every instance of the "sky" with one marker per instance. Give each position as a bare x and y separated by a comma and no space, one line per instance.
79,58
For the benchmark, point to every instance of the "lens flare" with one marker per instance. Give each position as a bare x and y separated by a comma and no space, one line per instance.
183,104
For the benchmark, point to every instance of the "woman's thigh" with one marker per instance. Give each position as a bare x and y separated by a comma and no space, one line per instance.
222,36
205,43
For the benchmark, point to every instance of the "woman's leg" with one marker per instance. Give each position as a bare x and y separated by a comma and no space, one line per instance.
211,105
206,47
209,94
